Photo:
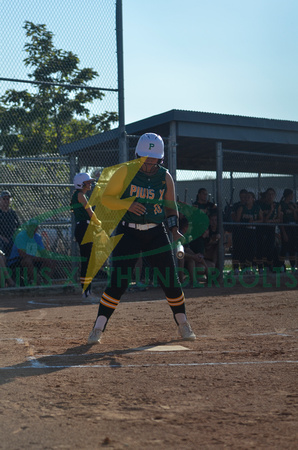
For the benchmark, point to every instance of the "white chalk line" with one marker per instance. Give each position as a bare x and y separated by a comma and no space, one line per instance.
216,336
139,352
37,365
80,303
43,338
32,302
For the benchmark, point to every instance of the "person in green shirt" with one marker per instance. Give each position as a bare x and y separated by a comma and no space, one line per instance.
145,192
289,245
250,214
267,253
84,215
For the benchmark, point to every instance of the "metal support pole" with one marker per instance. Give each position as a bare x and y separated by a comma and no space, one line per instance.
231,186
219,185
295,187
172,151
123,156
259,186
74,247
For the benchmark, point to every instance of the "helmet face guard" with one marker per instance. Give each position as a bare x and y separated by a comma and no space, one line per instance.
80,179
150,145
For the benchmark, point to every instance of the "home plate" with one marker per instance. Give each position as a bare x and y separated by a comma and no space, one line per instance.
165,348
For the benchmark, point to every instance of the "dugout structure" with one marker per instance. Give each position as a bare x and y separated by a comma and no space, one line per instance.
223,153
220,151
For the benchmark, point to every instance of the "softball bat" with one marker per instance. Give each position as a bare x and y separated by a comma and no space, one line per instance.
180,250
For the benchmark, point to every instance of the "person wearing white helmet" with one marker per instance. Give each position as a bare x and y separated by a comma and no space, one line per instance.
145,192
84,215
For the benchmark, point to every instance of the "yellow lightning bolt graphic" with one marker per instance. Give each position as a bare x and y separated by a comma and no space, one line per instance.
103,242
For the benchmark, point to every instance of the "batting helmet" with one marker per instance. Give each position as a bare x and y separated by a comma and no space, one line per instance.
151,145
80,178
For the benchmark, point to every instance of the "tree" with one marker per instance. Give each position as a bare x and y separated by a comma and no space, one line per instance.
40,121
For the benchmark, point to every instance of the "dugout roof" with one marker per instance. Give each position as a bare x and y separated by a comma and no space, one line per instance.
254,144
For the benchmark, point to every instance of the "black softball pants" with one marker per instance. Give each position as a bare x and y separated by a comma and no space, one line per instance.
155,245
85,252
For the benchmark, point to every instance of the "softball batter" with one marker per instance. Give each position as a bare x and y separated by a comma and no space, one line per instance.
149,200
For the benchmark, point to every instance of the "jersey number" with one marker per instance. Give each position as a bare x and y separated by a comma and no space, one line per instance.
157,209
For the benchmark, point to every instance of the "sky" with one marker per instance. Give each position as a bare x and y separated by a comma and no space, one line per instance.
222,56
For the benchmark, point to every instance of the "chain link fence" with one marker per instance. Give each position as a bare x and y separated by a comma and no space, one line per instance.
59,84
41,187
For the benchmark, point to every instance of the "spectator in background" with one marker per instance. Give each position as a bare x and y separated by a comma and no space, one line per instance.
197,221
250,213
204,206
203,203
266,248
84,215
242,201
9,222
193,255
288,233
237,232
212,241
28,252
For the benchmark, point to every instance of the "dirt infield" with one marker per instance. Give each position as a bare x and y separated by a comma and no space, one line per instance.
142,388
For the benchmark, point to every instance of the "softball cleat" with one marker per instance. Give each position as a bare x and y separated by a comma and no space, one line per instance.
186,332
95,336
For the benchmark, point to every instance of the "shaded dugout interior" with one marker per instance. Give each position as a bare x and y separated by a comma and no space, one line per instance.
193,137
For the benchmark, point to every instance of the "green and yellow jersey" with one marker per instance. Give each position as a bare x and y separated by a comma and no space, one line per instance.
150,191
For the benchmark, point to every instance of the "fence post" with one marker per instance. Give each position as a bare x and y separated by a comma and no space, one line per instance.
295,187
74,248
172,151
219,184
122,135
